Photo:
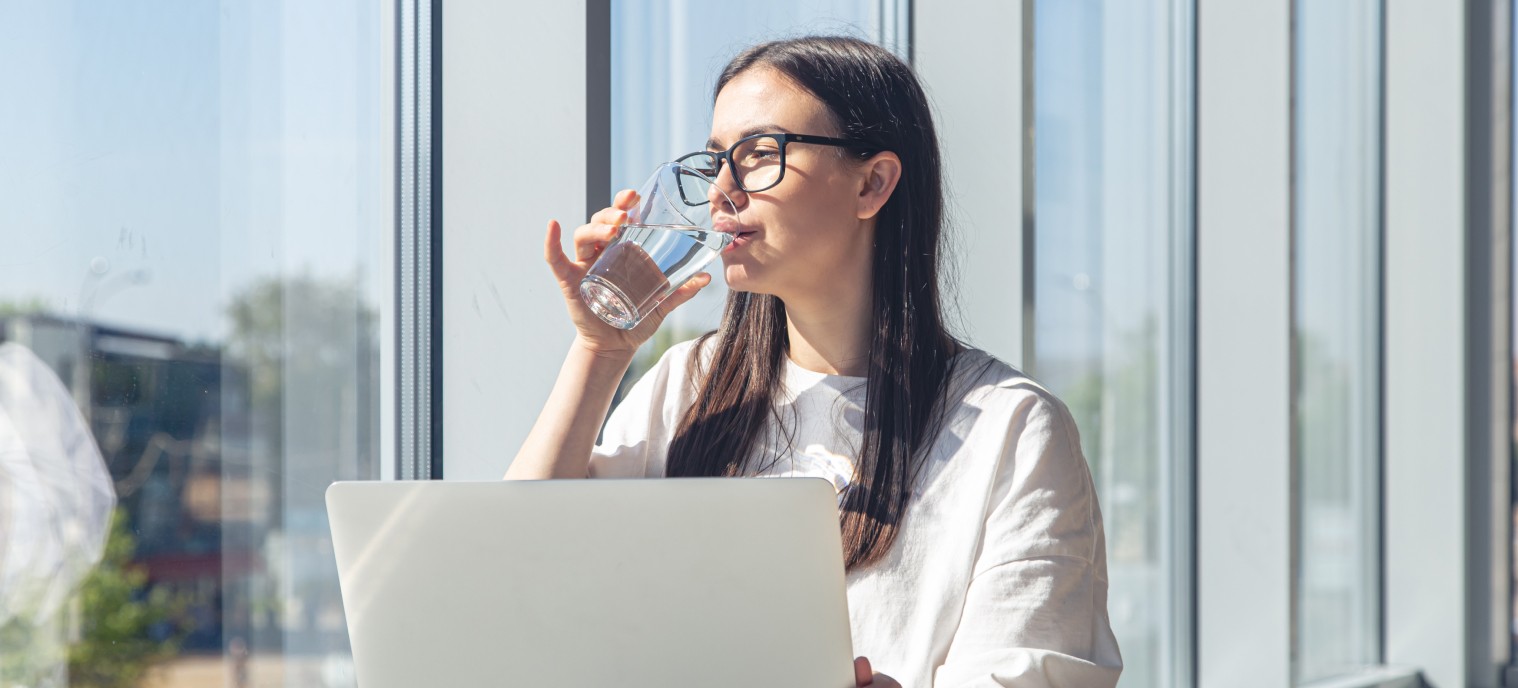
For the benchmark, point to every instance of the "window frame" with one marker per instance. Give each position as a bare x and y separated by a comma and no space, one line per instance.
1444,114
1491,63
418,402
1374,486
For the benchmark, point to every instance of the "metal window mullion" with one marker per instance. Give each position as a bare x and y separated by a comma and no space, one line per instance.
405,258
1489,321
414,240
1029,178
1180,373
424,235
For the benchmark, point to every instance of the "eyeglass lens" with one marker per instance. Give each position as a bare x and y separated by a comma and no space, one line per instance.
758,165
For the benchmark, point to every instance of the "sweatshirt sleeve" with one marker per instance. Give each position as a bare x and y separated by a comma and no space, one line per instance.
1035,613
636,437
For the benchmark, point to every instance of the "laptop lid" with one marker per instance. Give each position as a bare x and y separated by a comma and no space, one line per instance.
732,582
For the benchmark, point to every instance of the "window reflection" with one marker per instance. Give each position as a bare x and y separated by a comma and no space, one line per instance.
197,204
1112,292
1336,238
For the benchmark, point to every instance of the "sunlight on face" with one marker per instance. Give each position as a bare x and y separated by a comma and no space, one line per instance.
800,238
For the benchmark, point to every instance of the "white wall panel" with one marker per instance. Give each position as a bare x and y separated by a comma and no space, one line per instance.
1425,343
514,151
1244,467
972,58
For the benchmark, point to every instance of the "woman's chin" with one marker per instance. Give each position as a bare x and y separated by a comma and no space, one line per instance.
737,278
743,277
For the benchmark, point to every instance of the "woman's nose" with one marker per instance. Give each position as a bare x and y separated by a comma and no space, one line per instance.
725,184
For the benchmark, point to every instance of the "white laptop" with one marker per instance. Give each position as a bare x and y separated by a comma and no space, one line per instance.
732,582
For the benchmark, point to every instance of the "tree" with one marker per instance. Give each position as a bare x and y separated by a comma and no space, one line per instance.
126,628
30,306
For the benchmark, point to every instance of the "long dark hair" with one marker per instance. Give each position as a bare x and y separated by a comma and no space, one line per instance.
874,98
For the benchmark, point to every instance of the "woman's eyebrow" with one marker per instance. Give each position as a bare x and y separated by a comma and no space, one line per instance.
713,144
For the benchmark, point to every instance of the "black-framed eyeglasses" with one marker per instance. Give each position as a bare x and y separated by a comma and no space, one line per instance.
757,162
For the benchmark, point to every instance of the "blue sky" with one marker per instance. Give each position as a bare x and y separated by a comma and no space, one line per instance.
184,149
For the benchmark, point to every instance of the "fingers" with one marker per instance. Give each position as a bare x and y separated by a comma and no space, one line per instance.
602,228
625,199
685,292
609,216
553,249
591,238
863,674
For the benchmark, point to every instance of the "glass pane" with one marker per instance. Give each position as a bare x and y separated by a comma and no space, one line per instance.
197,210
1112,294
1336,238
661,99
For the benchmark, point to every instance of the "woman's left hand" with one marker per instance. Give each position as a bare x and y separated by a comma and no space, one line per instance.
863,676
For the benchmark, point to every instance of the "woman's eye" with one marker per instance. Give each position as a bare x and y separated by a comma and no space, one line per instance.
763,153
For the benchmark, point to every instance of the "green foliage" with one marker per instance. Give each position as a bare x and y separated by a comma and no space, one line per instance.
119,620
29,306
312,337
297,326
30,654
117,647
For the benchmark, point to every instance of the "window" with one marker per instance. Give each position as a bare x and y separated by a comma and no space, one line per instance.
196,247
1112,313
1336,285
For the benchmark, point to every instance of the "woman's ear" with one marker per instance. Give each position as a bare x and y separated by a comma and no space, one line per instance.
880,174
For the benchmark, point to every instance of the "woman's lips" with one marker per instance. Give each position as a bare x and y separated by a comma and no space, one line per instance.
741,234
740,239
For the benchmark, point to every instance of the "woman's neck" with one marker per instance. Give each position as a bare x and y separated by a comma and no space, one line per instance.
831,335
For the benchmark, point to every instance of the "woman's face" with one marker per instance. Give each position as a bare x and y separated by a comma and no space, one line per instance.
802,236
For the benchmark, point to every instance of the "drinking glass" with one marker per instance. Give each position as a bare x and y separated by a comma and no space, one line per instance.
668,239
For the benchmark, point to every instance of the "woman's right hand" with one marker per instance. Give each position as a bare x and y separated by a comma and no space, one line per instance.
589,241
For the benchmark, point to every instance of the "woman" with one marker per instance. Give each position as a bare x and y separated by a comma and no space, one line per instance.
972,534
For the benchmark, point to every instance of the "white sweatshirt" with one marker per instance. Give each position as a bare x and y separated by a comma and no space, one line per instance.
998,575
